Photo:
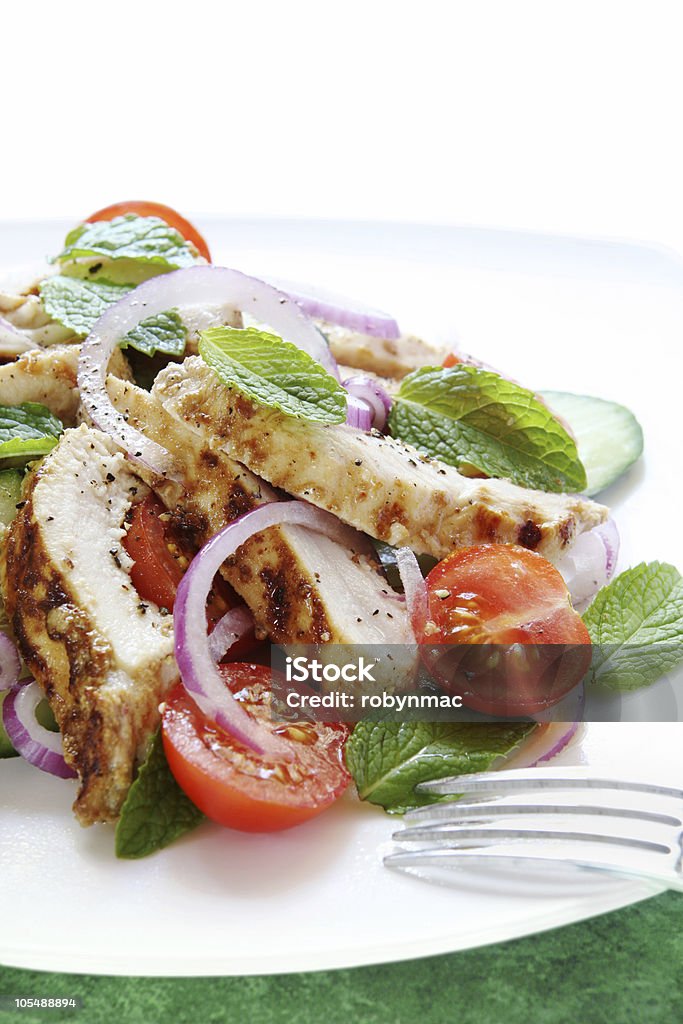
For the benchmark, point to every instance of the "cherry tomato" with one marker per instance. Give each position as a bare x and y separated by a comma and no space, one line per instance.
166,213
159,563
238,788
157,568
513,643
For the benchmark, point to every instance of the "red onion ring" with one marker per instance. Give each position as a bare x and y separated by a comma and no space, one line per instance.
10,663
544,743
609,535
340,310
414,587
198,285
558,727
15,339
373,394
590,562
192,646
358,413
228,630
37,745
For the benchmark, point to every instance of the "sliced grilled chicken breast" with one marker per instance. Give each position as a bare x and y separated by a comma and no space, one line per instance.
103,657
377,484
300,586
387,358
13,342
49,376
20,304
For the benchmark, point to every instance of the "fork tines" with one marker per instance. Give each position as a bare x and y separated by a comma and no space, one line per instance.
505,782
533,817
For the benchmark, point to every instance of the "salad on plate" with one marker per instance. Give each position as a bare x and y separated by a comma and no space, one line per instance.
197,464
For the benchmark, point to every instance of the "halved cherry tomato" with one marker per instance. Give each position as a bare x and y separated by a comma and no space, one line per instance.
157,570
515,603
238,788
159,563
166,213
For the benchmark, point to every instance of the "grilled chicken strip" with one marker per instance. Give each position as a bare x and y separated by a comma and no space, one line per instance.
49,376
375,483
300,586
103,657
386,358
20,304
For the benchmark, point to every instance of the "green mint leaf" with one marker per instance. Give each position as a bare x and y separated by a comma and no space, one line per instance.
164,333
388,759
156,811
27,431
77,304
636,626
472,418
145,240
274,373
608,436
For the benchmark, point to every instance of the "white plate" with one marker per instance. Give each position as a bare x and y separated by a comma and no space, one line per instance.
566,314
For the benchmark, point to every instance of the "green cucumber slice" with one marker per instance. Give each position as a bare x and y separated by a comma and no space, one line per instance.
608,435
10,494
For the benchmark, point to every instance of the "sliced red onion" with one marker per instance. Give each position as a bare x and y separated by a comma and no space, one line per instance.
228,630
37,745
609,535
557,728
371,391
192,646
544,743
13,341
590,562
358,413
339,310
198,285
10,664
414,587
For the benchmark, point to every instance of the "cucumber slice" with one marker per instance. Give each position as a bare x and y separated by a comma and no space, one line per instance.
608,436
10,494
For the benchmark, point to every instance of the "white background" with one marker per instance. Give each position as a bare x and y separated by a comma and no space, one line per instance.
545,116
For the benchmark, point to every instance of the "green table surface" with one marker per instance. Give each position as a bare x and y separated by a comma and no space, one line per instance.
618,968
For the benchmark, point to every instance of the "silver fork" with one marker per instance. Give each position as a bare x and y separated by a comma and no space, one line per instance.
546,819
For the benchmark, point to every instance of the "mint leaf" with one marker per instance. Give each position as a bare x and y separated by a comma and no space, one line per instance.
608,436
147,240
27,431
78,304
156,811
472,418
388,759
636,626
164,333
274,373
